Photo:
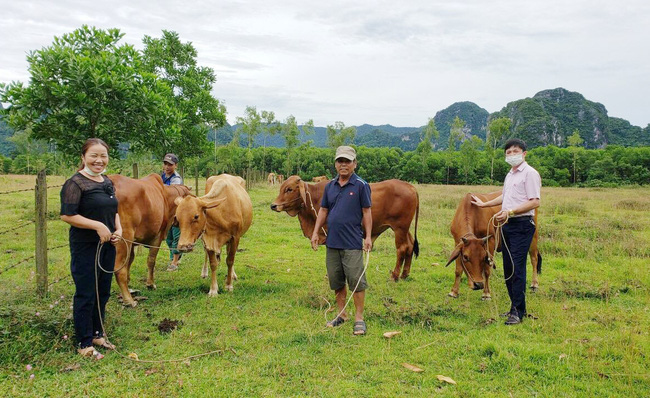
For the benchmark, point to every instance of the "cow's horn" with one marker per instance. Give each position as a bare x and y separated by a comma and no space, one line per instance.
455,253
301,188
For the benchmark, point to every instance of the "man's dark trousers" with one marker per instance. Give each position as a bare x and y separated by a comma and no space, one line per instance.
518,234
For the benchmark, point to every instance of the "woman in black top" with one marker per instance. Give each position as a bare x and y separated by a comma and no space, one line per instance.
89,205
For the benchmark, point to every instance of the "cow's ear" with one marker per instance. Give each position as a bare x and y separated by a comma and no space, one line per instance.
454,254
303,194
465,240
210,204
177,201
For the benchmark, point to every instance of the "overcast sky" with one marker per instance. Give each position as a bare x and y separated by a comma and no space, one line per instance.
377,62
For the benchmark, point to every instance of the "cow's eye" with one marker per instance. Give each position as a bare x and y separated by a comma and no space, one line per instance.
465,258
196,217
289,190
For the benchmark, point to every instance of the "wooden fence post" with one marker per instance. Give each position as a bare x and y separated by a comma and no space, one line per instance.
40,253
196,181
135,171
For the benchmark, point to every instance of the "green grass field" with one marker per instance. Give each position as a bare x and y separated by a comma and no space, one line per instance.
591,338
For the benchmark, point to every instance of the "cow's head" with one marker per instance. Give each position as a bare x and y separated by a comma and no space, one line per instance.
191,218
292,196
473,254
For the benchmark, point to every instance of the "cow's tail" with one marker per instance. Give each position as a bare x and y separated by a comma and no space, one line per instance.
416,245
539,262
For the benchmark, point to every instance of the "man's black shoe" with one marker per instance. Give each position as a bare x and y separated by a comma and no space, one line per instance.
513,320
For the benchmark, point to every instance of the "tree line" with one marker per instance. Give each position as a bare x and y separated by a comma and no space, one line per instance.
609,167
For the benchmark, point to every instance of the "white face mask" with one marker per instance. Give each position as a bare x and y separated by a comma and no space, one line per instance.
515,160
92,173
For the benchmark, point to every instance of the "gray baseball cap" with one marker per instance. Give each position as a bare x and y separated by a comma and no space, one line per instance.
346,152
170,158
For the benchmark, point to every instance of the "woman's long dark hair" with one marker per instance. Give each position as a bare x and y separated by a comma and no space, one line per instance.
90,142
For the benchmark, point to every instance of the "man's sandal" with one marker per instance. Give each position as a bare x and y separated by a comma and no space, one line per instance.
102,342
338,321
90,352
359,328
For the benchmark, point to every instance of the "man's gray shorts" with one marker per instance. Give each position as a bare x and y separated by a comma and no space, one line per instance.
345,265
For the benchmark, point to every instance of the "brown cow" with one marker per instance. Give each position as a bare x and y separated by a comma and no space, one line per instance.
475,239
280,178
208,186
271,178
221,217
319,179
146,208
394,203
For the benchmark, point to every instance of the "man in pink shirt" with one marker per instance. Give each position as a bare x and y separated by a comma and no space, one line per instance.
520,198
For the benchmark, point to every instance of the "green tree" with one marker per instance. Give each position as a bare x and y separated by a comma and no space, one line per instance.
575,141
87,84
175,64
430,135
497,129
455,136
338,135
469,151
290,131
251,125
270,127
28,148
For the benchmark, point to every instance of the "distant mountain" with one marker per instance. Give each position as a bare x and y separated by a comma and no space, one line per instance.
547,118
475,118
621,132
550,116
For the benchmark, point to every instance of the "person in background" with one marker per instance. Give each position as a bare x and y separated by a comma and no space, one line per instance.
89,205
346,207
519,199
171,177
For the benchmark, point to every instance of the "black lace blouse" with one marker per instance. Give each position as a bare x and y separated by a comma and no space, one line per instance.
91,199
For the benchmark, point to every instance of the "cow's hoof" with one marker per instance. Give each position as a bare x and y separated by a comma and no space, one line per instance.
452,294
229,288
204,275
213,293
151,287
486,298
534,288
131,303
234,275
394,277
404,277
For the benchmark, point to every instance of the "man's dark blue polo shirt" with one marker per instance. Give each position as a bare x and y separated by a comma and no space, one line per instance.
344,204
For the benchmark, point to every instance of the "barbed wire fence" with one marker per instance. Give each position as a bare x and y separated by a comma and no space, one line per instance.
41,248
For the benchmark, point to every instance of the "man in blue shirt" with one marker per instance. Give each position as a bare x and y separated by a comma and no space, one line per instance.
171,177
346,207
